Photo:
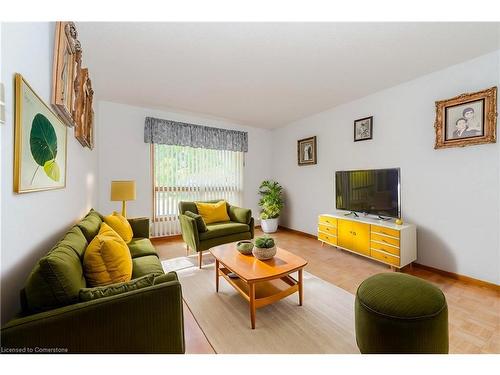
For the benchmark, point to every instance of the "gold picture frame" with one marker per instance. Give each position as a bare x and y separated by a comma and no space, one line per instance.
40,143
84,114
64,71
467,119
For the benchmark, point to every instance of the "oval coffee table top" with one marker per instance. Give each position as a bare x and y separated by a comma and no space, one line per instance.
250,268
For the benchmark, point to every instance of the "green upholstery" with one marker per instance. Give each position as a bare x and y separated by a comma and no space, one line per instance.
75,240
90,225
58,277
222,229
397,313
200,223
147,320
140,227
140,247
241,227
146,265
88,294
143,315
240,215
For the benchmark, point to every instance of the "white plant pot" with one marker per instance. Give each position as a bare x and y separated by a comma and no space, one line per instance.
269,225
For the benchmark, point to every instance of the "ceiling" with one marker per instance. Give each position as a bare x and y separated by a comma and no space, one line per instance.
268,74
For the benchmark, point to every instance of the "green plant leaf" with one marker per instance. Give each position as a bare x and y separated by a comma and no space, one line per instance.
52,170
43,140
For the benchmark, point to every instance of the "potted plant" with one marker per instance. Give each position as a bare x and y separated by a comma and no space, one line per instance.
264,248
272,203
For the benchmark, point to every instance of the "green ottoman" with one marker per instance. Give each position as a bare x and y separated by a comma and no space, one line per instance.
398,313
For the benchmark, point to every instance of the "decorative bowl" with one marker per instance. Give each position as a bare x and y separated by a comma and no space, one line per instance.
245,247
264,253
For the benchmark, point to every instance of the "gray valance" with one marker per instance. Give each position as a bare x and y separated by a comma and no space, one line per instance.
182,134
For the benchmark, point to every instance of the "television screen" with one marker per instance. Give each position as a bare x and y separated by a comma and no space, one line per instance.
373,191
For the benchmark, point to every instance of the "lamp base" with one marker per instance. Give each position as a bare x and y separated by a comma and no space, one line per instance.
124,209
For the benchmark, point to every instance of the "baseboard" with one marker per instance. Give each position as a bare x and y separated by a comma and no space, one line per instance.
449,274
459,277
175,237
297,232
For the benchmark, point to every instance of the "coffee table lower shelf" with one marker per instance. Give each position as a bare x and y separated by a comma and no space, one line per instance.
262,292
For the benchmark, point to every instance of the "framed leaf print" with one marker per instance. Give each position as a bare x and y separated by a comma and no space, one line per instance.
40,143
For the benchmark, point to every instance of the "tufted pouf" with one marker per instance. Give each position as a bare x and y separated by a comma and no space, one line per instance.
399,313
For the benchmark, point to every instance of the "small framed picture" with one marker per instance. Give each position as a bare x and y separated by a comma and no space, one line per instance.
467,119
306,151
363,129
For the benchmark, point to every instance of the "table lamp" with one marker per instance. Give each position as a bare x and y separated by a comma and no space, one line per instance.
123,191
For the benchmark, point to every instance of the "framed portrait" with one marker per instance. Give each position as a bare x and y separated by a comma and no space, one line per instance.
40,143
363,129
64,71
467,119
306,151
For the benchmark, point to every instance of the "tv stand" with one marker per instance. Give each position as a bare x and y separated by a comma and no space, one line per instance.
351,213
380,240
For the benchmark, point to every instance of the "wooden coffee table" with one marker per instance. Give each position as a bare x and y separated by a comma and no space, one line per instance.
259,282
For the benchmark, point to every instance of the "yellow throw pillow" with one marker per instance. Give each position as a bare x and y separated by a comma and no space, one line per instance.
213,212
120,225
107,259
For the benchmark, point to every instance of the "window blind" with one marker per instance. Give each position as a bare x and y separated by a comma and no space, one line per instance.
183,173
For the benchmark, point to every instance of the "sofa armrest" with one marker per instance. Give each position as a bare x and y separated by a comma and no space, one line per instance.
240,215
148,320
189,231
140,226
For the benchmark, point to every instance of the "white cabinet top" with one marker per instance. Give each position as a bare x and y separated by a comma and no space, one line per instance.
369,220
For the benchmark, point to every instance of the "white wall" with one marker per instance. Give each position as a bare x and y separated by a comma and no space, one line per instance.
452,195
33,222
124,155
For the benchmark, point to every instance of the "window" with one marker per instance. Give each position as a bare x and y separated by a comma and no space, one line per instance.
182,173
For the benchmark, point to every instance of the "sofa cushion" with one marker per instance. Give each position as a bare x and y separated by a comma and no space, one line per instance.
213,212
107,259
120,225
200,223
90,225
171,276
89,294
223,229
75,240
140,247
146,265
56,279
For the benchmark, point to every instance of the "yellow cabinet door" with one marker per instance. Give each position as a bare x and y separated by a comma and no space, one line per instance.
361,238
344,233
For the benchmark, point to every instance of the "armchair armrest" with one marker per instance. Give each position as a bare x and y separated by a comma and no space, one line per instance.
240,215
189,231
148,320
140,226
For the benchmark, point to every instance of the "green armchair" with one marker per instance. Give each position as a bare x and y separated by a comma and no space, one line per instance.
241,227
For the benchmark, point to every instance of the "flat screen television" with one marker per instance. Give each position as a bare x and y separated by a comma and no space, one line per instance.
373,191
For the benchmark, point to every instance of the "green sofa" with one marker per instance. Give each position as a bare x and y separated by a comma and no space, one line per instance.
241,227
60,314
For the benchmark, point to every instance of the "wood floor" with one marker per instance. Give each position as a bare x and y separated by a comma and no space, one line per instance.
474,311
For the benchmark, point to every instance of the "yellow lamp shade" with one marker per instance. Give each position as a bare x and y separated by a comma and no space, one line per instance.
123,191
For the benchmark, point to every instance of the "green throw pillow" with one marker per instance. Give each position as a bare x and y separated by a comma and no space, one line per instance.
89,294
200,223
